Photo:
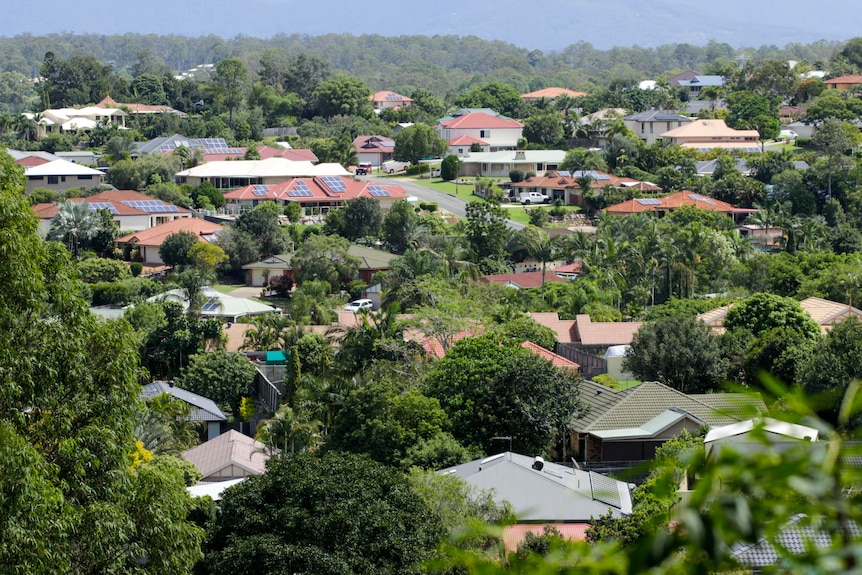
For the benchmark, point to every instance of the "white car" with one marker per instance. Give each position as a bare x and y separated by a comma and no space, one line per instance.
359,305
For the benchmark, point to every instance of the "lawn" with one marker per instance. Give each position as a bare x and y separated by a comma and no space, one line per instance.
463,191
226,288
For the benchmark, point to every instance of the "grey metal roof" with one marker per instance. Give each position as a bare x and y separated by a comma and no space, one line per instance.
657,116
205,409
794,537
709,166
703,81
554,493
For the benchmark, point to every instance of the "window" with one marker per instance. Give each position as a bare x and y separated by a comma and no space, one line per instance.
85,177
483,133
53,180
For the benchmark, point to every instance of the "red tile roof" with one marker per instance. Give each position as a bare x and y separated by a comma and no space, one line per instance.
29,161
475,120
524,280
555,180
552,93
374,144
156,235
671,202
557,360
844,80
116,199
564,328
390,96
604,332
514,535
287,190
108,102
265,152
466,141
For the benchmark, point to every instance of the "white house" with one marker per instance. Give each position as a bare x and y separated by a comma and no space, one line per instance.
498,132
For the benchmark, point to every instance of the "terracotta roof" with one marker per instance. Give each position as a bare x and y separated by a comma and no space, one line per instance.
599,180
844,80
524,280
389,96
557,360
564,328
514,535
826,313
116,199
108,102
294,190
552,93
374,144
156,235
466,141
231,448
29,161
588,332
475,120
707,130
266,152
671,202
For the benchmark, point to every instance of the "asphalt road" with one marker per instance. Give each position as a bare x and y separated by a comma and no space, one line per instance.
446,202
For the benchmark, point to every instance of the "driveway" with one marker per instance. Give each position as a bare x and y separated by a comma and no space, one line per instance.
446,202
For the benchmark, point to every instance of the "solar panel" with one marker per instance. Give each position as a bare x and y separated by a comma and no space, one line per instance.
648,201
213,142
261,188
95,206
334,183
295,193
260,193
391,96
211,305
150,206
699,198
378,192
301,185
566,173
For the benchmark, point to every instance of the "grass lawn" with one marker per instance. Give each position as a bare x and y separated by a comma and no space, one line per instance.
226,288
464,191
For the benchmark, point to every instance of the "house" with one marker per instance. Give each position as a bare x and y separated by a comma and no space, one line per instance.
761,237
229,456
648,125
666,204
374,149
826,313
203,408
708,167
698,83
372,261
79,120
557,360
385,99
462,146
597,336
150,240
316,195
707,135
843,83
686,76
598,123
551,94
630,425
524,280
563,185
544,493
499,164
217,150
499,132
239,173
60,175
139,109
755,434
217,305
132,211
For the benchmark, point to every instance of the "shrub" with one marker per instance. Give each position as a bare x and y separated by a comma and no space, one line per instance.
607,380
136,268
430,207
417,169
281,285
516,175
538,217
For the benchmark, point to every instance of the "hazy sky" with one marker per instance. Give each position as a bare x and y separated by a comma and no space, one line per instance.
542,24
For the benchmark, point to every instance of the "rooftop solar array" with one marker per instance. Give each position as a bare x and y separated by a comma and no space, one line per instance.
699,198
300,190
260,193
591,173
260,190
213,142
565,173
378,192
150,206
334,183
95,206
391,96
648,201
211,305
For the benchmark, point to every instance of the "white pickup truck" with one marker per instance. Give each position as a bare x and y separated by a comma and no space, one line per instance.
527,198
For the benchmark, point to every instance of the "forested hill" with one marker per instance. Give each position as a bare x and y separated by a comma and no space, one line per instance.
440,64
541,24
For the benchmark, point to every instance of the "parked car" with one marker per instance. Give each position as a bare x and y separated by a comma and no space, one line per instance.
527,198
359,305
393,166
364,169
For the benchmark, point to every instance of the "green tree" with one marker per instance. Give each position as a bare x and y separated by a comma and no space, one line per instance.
229,82
95,270
834,364
343,96
324,258
678,351
304,74
69,392
206,257
490,390
341,513
262,224
539,247
397,223
450,168
763,312
223,377
544,129
498,96
363,218
486,232
834,138
416,142
174,251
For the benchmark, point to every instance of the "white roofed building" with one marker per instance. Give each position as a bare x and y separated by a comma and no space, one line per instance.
239,173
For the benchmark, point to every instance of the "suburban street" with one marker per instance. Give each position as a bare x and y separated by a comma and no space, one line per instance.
445,201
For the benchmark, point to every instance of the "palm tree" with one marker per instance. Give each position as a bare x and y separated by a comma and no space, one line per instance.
73,222
266,332
539,247
290,431
119,148
26,128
